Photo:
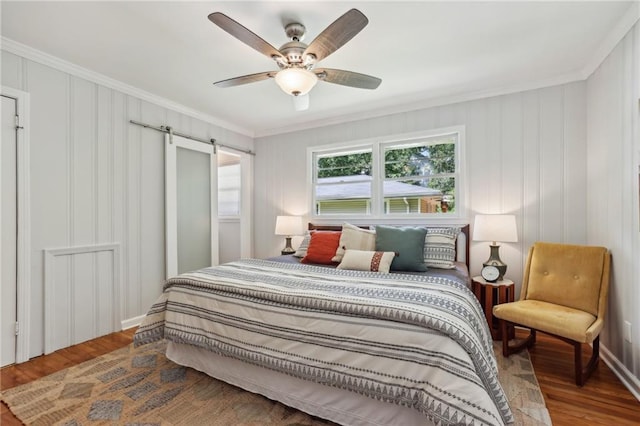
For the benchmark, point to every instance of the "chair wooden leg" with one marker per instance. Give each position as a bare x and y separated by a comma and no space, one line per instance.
583,374
577,361
508,349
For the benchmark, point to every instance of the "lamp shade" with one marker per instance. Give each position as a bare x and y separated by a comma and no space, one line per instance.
495,227
289,225
296,81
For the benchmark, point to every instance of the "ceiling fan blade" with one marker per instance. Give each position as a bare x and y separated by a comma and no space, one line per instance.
245,79
337,34
244,35
347,78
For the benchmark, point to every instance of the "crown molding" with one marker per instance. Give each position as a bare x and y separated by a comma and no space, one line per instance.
425,100
43,58
612,39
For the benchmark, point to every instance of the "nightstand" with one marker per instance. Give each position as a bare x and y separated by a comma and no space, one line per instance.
491,294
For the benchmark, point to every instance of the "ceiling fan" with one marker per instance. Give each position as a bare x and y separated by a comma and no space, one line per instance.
296,60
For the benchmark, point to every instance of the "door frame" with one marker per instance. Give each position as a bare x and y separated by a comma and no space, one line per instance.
172,142
23,249
245,216
246,206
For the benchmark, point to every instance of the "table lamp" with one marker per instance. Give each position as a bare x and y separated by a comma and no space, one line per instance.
495,228
288,226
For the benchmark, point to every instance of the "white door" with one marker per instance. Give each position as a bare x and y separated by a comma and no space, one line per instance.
191,205
8,233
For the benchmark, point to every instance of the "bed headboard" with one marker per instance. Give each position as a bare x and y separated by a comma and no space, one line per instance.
462,242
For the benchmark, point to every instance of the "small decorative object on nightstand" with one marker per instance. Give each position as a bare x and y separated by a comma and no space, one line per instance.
288,226
490,294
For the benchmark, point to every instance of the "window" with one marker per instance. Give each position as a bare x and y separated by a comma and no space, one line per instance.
228,184
417,175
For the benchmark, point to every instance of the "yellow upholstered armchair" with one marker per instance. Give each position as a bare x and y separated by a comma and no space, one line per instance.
564,294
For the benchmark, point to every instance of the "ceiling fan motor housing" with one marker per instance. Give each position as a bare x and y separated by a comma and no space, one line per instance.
295,31
293,51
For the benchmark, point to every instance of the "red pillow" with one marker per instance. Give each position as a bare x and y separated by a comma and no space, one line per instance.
322,247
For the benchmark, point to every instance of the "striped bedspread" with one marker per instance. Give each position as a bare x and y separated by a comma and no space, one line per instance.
413,340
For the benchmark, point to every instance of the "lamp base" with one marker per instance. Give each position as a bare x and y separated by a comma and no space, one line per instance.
288,249
494,260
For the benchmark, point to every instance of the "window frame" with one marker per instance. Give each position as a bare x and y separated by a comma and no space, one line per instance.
377,146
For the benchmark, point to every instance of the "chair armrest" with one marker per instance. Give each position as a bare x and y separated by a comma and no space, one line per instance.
594,330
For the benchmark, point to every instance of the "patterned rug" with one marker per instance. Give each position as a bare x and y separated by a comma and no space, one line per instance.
141,387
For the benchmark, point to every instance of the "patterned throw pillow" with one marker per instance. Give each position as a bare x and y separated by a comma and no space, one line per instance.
301,251
407,243
322,247
440,247
361,260
355,238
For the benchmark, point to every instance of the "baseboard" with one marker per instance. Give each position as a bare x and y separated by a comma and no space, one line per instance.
131,322
626,377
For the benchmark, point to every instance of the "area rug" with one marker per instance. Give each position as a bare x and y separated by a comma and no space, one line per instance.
136,387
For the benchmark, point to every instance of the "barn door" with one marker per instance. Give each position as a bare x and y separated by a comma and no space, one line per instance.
191,205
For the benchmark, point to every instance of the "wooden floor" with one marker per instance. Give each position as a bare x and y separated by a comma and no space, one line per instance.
602,401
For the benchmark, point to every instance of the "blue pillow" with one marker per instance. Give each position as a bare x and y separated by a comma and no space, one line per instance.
407,242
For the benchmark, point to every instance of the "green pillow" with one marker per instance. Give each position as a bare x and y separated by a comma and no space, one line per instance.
407,242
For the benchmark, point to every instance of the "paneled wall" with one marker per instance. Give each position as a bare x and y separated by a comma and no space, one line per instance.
96,179
81,294
525,155
613,213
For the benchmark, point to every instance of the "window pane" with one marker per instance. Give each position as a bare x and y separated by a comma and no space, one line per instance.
420,177
424,160
229,190
343,183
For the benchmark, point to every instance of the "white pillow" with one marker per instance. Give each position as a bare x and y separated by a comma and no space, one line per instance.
356,238
361,260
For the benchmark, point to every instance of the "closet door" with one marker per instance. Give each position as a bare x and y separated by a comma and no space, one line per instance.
8,233
191,205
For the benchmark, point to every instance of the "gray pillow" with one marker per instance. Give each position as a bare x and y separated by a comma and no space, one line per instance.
301,251
406,242
440,247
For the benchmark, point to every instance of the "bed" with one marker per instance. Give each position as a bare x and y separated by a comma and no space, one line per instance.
351,346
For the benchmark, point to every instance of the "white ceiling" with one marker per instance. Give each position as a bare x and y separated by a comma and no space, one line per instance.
422,51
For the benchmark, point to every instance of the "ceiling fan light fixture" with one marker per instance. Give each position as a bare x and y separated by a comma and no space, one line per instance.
296,81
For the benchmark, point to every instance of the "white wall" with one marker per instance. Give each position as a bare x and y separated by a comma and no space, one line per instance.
613,216
526,155
96,179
